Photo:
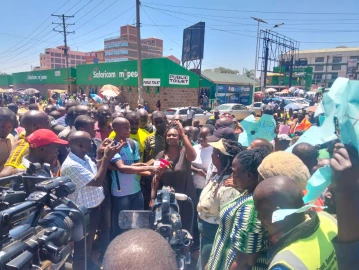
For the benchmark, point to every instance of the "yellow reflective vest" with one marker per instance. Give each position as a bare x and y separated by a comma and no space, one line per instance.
313,253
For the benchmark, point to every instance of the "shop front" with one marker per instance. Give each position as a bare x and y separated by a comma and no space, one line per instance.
163,80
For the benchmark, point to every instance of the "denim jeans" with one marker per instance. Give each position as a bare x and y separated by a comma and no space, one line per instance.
129,202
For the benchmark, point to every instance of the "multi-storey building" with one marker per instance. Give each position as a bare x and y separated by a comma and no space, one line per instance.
95,57
124,47
55,58
329,64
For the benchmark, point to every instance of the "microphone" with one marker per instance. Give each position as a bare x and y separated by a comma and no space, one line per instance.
181,197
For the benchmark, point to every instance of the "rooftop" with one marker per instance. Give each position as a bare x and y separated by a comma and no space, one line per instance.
337,49
226,78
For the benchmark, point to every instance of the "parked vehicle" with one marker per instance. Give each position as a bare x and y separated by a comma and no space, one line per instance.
257,107
239,111
200,114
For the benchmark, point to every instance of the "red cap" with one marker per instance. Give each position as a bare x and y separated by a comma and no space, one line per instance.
43,137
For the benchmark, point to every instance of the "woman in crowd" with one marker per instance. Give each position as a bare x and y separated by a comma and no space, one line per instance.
214,195
203,159
178,176
239,238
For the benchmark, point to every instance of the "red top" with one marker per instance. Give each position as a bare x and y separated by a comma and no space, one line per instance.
102,134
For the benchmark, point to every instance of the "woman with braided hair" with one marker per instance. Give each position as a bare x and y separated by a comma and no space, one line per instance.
215,195
240,240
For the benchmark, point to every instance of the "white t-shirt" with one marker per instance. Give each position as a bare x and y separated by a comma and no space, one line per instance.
202,161
190,114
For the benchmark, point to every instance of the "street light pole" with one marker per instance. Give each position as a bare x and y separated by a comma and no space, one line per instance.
256,59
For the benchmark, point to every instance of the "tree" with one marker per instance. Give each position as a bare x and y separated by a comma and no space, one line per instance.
223,70
248,73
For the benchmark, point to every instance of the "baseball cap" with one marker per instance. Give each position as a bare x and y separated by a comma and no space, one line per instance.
43,137
222,133
220,146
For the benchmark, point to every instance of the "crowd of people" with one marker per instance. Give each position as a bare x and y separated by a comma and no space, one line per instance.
111,156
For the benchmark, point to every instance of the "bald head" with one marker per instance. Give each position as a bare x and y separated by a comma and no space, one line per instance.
70,103
49,108
278,192
308,154
224,122
260,142
143,117
55,114
122,127
119,121
61,110
80,110
34,120
139,249
77,136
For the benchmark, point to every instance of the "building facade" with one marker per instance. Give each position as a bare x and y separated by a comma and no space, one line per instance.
54,58
95,57
124,47
329,64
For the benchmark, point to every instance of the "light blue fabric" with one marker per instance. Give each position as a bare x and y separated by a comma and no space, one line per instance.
126,184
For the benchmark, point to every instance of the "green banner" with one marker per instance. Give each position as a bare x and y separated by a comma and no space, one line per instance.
52,76
157,72
5,80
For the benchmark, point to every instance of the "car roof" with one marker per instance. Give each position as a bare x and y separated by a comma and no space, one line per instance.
181,108
231,104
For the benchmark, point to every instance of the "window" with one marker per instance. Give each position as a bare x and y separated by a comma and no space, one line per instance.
317,77
58,54
236,107
337,67
115,44
319,68
319,59
58,66
78,57
334,76
337,59
183,111
198,111
354,57
57,60
257,105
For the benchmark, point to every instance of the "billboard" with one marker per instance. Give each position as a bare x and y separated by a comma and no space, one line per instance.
193,42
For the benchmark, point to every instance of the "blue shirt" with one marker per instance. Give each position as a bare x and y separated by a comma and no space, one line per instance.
126,184
61,121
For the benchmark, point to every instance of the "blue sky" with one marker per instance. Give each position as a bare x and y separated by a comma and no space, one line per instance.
230,33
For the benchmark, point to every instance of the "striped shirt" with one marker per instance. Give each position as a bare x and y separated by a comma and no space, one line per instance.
239,230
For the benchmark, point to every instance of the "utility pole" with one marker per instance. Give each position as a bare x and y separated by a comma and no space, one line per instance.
65,33
139,52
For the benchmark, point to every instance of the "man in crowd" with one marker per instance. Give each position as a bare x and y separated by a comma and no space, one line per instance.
81,110
88,179
144,124
70,124
49,108
190,116
7,140
62,119
43,149
140,249
154,144
87,124
301,240
308,154
126,189
300,124
30,121
103,125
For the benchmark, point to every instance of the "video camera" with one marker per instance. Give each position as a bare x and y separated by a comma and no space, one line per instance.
165,219
35,232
